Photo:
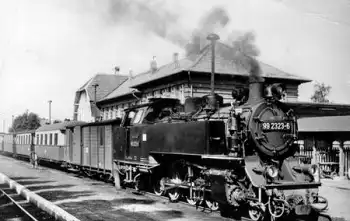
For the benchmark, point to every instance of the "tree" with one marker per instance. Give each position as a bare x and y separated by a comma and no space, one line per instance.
321,92
26,121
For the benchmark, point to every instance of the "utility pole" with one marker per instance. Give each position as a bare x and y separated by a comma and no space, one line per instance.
3,125
95,98
213,38
13,127
50,101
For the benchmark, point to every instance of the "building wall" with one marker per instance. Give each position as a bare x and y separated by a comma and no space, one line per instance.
84,108
181,89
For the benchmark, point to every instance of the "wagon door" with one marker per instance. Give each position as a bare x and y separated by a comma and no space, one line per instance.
86,147
101,146
76,146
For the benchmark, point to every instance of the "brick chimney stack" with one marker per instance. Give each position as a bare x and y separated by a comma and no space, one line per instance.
154,65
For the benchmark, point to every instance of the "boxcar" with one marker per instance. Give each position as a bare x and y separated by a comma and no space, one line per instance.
89,147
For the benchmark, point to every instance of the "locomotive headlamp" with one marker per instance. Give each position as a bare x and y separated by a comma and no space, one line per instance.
271,171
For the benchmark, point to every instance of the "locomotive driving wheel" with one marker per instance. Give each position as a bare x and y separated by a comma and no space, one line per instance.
196,198
212,205
174,194
159,186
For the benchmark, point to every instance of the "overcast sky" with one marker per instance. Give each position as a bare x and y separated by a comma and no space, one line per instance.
49,48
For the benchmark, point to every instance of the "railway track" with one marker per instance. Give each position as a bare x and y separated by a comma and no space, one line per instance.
15,207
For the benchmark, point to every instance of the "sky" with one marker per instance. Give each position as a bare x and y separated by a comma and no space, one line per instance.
49,48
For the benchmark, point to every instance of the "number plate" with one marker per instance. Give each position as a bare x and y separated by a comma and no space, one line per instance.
276,126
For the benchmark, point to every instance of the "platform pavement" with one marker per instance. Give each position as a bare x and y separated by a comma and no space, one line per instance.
91,200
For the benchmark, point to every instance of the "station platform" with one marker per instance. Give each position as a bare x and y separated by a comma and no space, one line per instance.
91,200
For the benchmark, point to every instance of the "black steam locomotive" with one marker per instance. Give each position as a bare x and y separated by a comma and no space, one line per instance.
236,157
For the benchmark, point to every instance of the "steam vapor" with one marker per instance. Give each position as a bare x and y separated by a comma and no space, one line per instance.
163,22
153,15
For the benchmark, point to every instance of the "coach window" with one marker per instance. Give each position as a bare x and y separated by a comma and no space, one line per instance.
50,139
56,138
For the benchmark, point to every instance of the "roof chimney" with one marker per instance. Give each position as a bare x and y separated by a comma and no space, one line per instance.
116,70
154,65
130,74
176,59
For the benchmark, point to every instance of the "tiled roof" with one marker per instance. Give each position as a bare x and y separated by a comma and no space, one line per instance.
311,109
123,89
324,124
59,126
107,83
198,63
202,63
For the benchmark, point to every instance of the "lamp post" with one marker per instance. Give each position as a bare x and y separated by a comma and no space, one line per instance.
95,97
50,101
213,38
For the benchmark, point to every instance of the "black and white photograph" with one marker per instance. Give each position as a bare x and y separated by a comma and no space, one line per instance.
174,110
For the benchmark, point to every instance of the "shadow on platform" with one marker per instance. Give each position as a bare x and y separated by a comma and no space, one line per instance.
108,210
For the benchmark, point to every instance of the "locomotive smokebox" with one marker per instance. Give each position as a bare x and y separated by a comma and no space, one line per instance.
256,81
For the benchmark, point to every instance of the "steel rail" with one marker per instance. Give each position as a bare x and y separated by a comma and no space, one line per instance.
17,204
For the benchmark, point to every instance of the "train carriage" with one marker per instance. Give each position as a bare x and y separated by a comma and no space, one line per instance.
9,145
2,142
24,142
89,147
50,142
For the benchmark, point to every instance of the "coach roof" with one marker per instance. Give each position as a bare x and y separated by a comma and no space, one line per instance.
59,126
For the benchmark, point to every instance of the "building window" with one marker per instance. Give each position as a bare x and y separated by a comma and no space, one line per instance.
50,139
105,114
45,139
37,139
41,139
56,139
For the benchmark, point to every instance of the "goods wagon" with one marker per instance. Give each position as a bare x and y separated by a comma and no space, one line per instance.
24,143
89,147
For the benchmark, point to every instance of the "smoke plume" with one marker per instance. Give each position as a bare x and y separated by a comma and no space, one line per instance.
154,16
217,19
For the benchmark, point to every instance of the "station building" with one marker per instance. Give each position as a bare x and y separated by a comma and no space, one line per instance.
190,77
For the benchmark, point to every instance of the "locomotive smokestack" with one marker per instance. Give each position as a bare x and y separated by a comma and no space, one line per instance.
256,81
213,38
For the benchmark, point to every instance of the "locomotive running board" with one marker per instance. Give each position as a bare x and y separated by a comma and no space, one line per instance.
221,157
293,185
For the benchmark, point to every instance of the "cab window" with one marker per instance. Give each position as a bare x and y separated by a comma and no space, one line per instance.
137,118
129,118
